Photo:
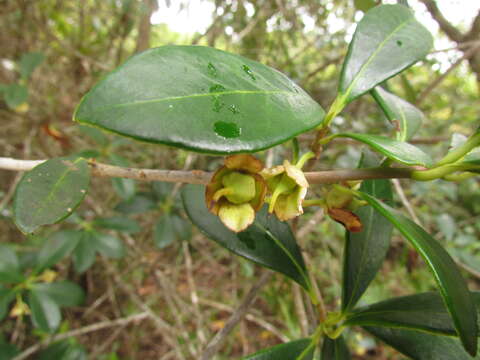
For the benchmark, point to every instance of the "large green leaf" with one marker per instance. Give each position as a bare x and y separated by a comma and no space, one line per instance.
63,293
400,151
267,241
45,312
387,40
421,346
50,192
290,351
202,99
452,286
9,265
366,250
401,113
56,247
335,349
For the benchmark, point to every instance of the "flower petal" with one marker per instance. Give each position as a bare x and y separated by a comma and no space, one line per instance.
236,217
296,174
244,162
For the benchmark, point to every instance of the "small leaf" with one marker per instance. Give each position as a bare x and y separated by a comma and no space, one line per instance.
164,232
387,41
290,351
9,265
402,152
125,188
109,246
421,346
221,103
15,95
63,293
84,253
267,241
335,349
140,203
162,190
50,192
56,247
45,312
452,286
63,350
365,251
28,63
118,223
399,112
182,227
6,297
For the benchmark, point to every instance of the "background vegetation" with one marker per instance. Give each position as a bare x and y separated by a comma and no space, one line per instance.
180,287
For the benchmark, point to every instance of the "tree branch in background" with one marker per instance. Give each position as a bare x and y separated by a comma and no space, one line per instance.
147,8
452,32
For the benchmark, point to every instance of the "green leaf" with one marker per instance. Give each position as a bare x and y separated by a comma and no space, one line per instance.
10,271
182,227
335,349
399,112
45,312
290,351
421,346
8,351
6,297
28,63
63,350
118,223
50,192
140,203
164,232
452,286
109,246
365,251
56,247
267,241
15,95
364,5
63,293
125,188
220,102
399,151
84,253
387,41
96,134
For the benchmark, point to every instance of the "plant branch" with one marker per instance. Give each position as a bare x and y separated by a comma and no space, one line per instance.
203,177
452,32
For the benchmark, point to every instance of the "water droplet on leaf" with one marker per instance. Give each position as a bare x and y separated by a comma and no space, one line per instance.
249,72
227,129
233,108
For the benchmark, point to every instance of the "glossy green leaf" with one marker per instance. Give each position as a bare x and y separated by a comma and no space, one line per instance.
267,241
335,349
109,245
6,297
395,150
452,286
365,251
50,192
85,253
118,223
15,95
10,271
63,293
403,115
125,188
138,204
44,311
421,346
221,102
28,63
387,40
164,232
290,351
56,247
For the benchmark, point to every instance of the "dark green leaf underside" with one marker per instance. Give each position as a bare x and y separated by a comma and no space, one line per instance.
267,242
202,99
335,349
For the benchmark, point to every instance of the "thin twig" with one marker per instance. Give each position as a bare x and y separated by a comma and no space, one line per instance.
217,341
82,331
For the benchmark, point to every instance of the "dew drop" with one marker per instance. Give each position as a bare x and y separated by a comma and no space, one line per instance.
69,209
170,106
248,72
233,108
212,70
227,130
247,239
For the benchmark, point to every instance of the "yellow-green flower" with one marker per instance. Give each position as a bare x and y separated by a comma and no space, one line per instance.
288,187
236,191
